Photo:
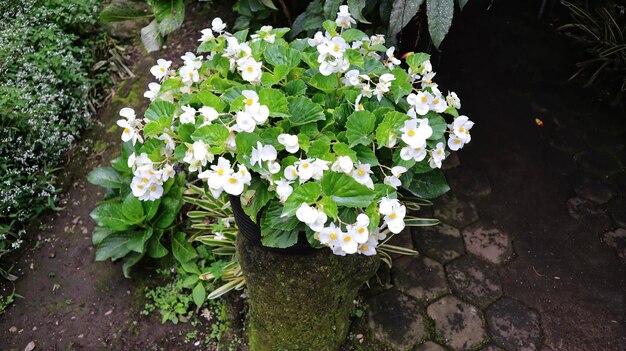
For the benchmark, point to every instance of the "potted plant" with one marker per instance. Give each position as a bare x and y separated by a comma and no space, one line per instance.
314,141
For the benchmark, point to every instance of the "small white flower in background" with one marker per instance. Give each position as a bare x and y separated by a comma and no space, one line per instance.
290,142
437,156
454,143
369,247
305,170
306,214
395,218
358,230
131,160
386,205
189,74
283,189
343,164
153,91
420,102
197,156
218,25
358,106
362,174
218,175
348,244
394,179
337,65
142,160
377,39
251,70
265,33
219,236
416,153
319,166
351,78
167,172
461,128
207,35
366,90
415,132
384,83
245,122
168,147
427,80
262,153
273,167
209,114
130,125
344,18
291,173
161,69
320,221
188,115
453,100
392,61
191,60
438,104
234,184
246,177
330,235
317,39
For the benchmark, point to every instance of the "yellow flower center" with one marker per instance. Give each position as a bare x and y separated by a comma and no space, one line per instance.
347,238
191,74
250,69
333,236
361,230
336,48
411,132
232,180
461,129
140,187
360,106
364,247
439,152
294,173
360,172
249,101
305,165
161,69
457,141
436,101
393,216
220,171
424,99
144,180
153,188
126,130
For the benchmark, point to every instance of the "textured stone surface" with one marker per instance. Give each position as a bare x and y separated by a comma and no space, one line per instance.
395,320
598,162
567,142
617,208
488,242
474,280
458,322
491,348
451,161
588,213
442,242
403,239
619,180
513,325
468,182
617,240
419,276
594,189
429,346
459,213
560,161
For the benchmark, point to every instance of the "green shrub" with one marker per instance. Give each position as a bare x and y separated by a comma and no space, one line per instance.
46,55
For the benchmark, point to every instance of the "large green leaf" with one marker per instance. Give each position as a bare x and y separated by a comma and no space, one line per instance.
440,13
356,6
151,37
113,247
305,193
331,7
429,185
182,249
282,55
438,125
155,249
129,261
359,128
273,220
106,177
304,111
212,134
199,294
133,210
111,215
169,14
167,212
260,198
275,101
159,109
137,240
389,127
280,238
401,13
324,83
122,11
346,191
99,233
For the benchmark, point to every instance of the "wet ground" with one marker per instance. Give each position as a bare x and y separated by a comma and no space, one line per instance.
529,258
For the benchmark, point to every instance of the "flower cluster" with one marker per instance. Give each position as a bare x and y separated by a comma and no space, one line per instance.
314,135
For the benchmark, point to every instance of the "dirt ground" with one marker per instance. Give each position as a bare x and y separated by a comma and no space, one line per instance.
507,67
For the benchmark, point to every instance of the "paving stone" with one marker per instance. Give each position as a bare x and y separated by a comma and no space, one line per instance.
617,208
491,348
429,346
617,240
560,161
488,242
419,276
458,322
468,182
598,162
442,242
403,239
594,189
395,319
459,213
474,280
513,325
567,141
588,213
450,162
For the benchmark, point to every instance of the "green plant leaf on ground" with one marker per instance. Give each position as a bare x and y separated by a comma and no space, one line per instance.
182,249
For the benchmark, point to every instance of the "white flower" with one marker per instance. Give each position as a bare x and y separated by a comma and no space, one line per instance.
334,47
245,122
209,114
219,236
207,34
320,221
189,74
453,100
305,169
189,114
384,83
420,102
218,175
461,128
317,39
438,104
359,231
415,132
437,156
167,172
197,156
306,214
369,247
265,33
330,235
387,205
169,145
418,153
344,18
218,25
362,174
427,80
234,184
358,106
130,125
161,68
394,179
262,153
392,61
366,90
155,191
283,189
377,39
351,78
348,244
251,70
319,166
337,65
273,167
153,91
131,160
455,143
395,219
290,142
191,60
291,173
343,164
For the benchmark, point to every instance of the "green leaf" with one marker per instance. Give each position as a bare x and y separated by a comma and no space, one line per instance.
462,3
324,83
400,87
207,98
346,191
182,249
151,37
137,240
429,185
171,84
438,125
401,13
245,142
366,155
439,13
159,109
272,219
241,35
199,294
282,55
329,206
295,87
356,6
331,7
372,213
342,149
167,212
389,127
113,247
118,11
99,233
111,215
169,14
306,193
155,249
260,198
280,238
359,128
416,59
150,208
330,26
353,34
129,261
132,209
213,134
106,177
275,101
319,148
303,111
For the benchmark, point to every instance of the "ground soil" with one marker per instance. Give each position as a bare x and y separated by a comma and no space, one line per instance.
508,67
